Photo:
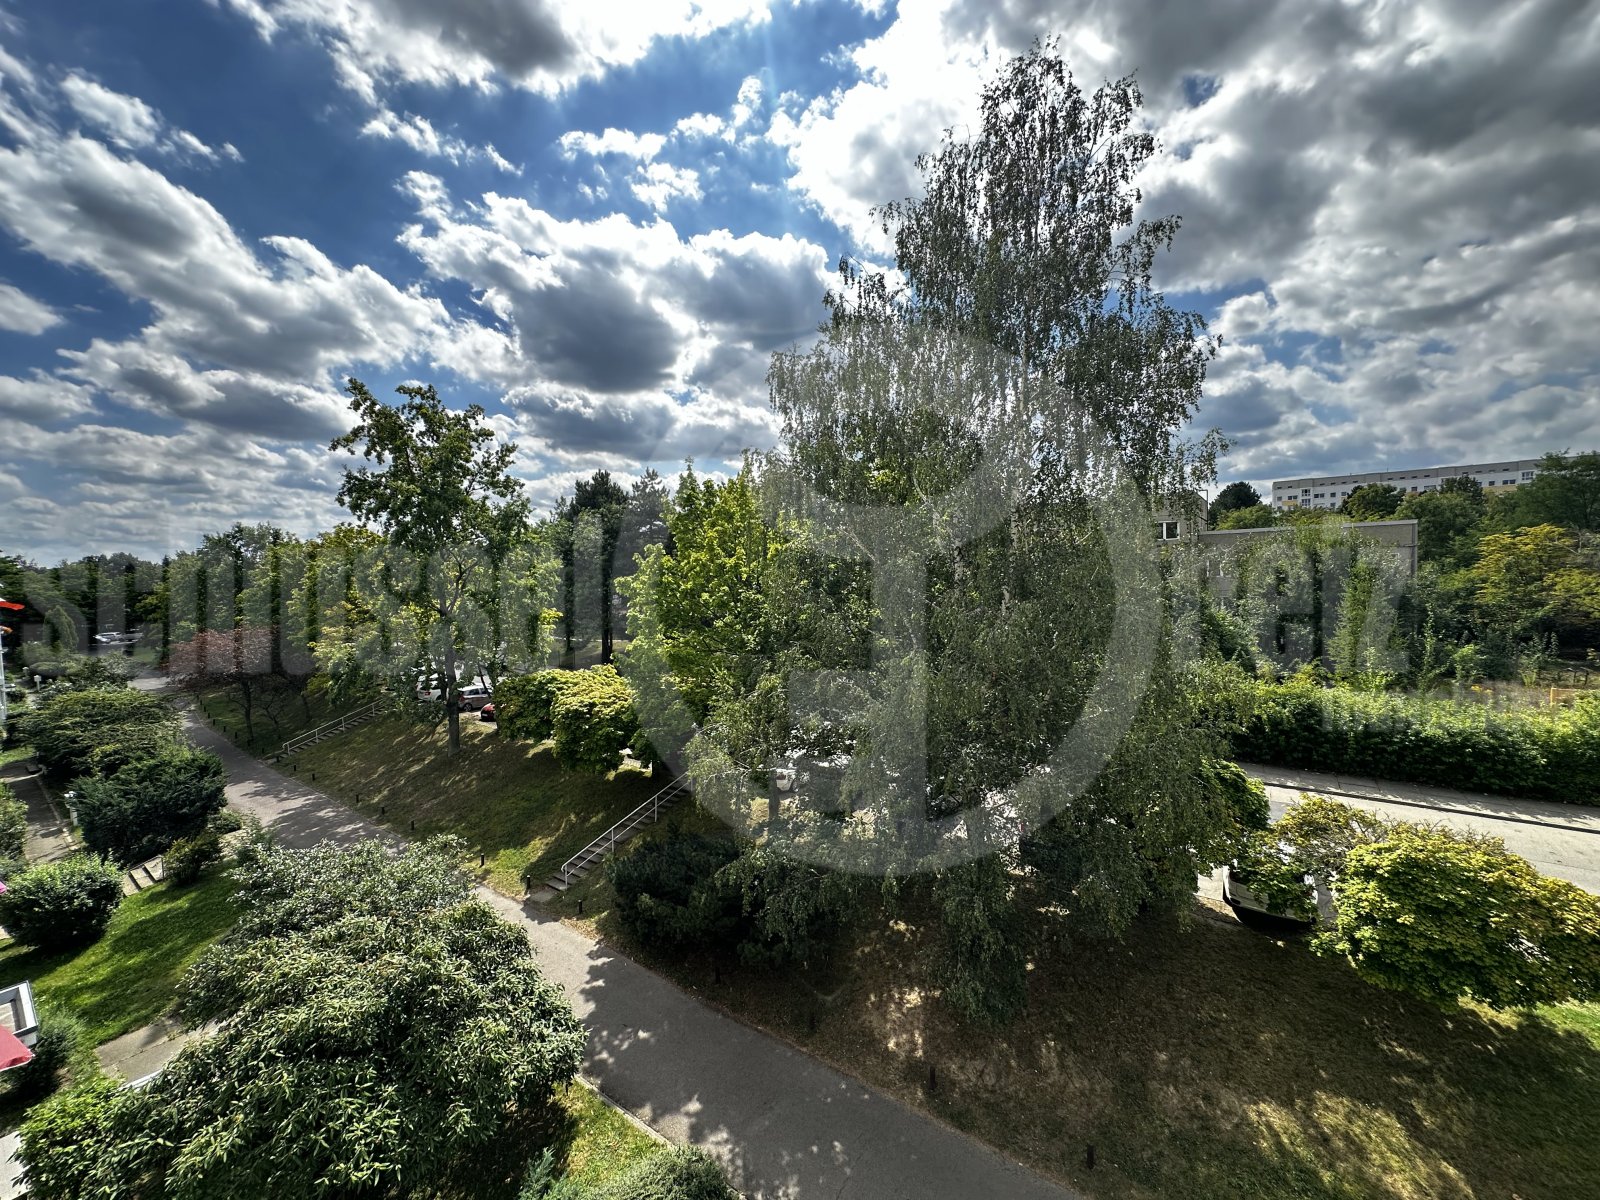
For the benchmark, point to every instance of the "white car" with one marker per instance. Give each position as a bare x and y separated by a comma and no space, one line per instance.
1239,896
473,696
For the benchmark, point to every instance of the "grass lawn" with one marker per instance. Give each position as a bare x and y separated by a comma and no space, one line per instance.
12,754
279,715
128,977
1199,1060
511,801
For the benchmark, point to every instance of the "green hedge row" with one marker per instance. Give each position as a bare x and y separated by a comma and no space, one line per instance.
1551,753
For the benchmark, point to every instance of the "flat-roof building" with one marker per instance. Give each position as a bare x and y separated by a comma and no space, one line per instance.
1329,491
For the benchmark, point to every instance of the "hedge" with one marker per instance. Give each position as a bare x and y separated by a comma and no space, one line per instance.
13,824
1548,753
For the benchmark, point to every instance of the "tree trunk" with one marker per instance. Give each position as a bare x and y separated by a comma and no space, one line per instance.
452,706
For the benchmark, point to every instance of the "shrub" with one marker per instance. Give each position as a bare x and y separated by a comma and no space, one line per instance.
13,824
680,1173
225,822
791,909
60,904
148,805
669,892
64,1139
98,730
1553,753
1245,797
522,705
62,1036
188,857
592,719
1446,917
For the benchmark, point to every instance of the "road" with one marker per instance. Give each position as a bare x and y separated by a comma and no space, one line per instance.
785,1125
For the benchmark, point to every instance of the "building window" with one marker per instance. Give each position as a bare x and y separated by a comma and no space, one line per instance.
1166,531
1527,475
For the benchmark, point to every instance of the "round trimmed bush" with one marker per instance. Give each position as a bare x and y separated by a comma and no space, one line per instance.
60,904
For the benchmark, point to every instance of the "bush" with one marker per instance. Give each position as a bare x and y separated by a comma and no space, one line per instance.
522,705
669,892
188,857
1245,797
62,1036
13,824
677,1174
59,904
146,806
1448,917
64,1139
98,730
1549,753
593,719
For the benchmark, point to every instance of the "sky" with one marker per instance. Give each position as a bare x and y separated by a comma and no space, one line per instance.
600,219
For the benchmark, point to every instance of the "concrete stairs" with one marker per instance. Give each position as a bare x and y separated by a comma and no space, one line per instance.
648,813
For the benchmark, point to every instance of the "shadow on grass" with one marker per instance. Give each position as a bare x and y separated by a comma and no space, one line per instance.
1197,1059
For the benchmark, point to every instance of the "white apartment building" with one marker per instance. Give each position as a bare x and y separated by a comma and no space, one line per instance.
1329,491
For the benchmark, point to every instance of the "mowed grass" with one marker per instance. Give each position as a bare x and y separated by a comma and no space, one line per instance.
278,715
511,801
129,976
1198,1059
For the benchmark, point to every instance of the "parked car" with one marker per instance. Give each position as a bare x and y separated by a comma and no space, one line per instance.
1245,889
474,696
486,713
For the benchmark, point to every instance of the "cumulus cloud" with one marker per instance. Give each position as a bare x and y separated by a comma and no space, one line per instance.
21,313
130,123
43,397
541,45
633,332
419,134
1401,200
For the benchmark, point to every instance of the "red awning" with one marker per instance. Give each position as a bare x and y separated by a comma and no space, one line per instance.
12,1052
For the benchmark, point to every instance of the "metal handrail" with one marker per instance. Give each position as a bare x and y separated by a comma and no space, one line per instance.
614,833
333,726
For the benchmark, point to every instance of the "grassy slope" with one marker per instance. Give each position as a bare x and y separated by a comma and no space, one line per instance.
1198,1061
128,977
278,717
511,801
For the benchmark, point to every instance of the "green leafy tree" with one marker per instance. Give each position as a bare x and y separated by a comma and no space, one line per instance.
98,729
442,493
1447,526
593,719
1535,580
592,523
375,1029
56,905
1372,502
1449,917
1565,492
148,804
1235,496
1257,516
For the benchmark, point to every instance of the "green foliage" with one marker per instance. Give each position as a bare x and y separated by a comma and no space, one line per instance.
1535,752
98,730
1447,917
13,825
151,802
522,705
62,1037
592,718
1271,873
1319,834
1566,492
670,894
1372,502
1535,580
1245,797
1256,516
1446,526
984,969
407,1022
793,910
681,1173
1237,496
187,858
56,905
64,1140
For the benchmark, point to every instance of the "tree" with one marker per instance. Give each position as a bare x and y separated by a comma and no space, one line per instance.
1463,485
238,659
61,904
592,718
148,804
1448,916
1534,581
1259,516
592,522
1237,495
98,729
1565,492
1447,523
375,1029
1372,502
441,493
1028,282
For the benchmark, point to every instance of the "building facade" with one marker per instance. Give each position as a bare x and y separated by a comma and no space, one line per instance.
1330,491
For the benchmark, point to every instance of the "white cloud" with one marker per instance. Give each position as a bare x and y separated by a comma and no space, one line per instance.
541,45
658,185
21,313
42,397
642,146
419,134
131,123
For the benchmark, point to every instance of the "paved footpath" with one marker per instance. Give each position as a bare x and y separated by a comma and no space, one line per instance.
786,1125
